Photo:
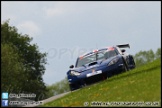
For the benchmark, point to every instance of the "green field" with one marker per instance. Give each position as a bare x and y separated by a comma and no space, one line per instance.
140,86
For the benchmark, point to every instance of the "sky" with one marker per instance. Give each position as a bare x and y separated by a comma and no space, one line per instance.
68,29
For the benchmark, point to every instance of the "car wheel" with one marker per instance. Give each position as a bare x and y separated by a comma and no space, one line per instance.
75,86
72,87
125,66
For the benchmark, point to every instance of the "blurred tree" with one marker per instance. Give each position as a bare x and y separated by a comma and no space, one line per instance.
59,87
30,63
12,71
143,57
158,53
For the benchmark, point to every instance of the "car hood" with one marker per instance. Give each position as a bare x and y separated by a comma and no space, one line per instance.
92,65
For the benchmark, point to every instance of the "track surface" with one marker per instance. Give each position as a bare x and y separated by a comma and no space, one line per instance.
49,99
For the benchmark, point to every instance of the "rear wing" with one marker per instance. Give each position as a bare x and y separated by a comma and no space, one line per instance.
123,46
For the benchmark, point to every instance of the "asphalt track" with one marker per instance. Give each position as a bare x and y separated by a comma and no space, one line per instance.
49,99
55,97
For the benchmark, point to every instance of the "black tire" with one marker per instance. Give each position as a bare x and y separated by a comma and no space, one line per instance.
125,66
74,87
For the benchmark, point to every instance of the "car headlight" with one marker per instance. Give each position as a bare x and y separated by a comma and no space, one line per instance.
73,73
113,61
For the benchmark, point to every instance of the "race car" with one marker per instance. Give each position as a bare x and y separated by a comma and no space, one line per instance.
98,65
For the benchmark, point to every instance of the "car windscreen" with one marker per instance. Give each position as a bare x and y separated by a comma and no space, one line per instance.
101,55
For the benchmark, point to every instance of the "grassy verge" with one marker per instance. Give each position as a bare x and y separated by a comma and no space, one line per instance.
141,86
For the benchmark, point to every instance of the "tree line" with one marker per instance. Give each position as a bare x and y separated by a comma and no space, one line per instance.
143,57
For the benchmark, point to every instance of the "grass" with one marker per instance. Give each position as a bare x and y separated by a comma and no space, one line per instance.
142,84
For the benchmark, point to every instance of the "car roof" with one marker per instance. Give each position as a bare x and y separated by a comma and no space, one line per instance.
96,50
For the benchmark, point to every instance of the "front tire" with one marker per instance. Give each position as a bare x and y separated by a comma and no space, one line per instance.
74,86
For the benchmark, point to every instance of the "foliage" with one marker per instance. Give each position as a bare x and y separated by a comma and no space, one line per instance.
158,53
22,63
12,67
143,57
59,87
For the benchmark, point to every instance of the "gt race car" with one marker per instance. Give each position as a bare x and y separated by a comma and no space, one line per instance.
99,65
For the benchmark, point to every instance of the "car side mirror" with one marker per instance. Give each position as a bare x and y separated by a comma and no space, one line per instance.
72,66
123,50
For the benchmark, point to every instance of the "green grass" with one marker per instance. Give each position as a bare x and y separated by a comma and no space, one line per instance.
142,84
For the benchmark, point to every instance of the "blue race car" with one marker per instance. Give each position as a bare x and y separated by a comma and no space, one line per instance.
99,65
